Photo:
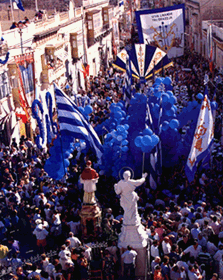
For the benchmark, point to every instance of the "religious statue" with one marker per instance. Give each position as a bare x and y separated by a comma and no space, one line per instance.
125,188
89,177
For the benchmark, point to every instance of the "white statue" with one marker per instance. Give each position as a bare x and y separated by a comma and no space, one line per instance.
125,188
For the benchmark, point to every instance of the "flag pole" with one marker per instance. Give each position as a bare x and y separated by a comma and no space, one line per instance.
143,162
61,145
13,19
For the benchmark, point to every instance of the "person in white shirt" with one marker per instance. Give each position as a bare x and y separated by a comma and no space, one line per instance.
185,209
195,231
166,245
129,258
193,250
41,233
211,248
154,250
218,255
65,255
74,241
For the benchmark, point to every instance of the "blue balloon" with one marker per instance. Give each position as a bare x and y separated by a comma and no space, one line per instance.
165,98
170,112
123,113
173,100
138,141
147,131
81,109
155,139
165,125
170,93
119,138
157,93
88,109
125,149
158,80
214,105
174,123
175,108
120,104
121,128
126,126
200,96
108,137
145,149
146,140
167,81
118,115
125,142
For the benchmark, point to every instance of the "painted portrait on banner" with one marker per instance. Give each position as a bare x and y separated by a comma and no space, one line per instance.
163,28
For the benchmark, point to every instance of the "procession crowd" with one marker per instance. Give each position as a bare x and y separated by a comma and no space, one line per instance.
184,222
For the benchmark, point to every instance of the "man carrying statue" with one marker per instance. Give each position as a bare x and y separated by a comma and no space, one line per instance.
89,177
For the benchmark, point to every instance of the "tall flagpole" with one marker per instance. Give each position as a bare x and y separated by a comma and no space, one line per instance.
36,5
13,19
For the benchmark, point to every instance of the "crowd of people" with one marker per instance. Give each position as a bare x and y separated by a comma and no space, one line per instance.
184,222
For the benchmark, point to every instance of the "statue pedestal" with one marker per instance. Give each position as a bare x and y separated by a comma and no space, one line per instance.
136,237
90,220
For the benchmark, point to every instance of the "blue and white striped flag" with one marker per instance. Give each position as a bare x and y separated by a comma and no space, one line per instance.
19,5
203,137
73,122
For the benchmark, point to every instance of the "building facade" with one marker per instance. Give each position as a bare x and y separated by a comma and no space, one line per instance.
56,49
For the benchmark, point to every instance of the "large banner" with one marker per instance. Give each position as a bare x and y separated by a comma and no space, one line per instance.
25,64
163,28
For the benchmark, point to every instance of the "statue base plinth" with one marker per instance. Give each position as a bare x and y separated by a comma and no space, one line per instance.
136,237
90,220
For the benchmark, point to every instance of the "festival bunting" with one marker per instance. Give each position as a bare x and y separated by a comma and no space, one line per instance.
163,28
202,140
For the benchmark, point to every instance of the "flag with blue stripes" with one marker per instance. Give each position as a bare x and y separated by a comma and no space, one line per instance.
73,122
19,5
128,79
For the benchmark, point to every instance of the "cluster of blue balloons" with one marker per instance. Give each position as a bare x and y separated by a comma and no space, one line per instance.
118,112
36,107
56,165
86,111
116,145
147,140
118,138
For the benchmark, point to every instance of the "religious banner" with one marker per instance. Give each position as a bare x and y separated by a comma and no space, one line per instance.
25,65
115,32
163,28
202,140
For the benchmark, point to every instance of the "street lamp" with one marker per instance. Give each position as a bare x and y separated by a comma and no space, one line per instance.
20,26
